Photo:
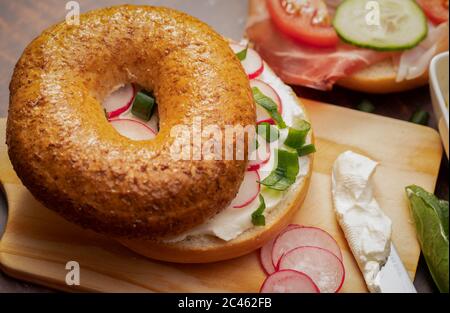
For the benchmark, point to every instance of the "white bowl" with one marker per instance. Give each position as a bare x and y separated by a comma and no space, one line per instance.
439,94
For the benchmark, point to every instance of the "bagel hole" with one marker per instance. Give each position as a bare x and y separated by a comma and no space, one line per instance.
132,111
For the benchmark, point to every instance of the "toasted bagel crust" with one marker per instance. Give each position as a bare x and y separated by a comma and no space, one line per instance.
74,162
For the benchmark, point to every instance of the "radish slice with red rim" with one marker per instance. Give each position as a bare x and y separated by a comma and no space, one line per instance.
252,64
262,115
260,156
289,281
133,129
119,100
269,121
265,255
268,91
322,266
304,236
248,191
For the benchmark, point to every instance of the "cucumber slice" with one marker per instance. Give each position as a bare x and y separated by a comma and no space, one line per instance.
402,24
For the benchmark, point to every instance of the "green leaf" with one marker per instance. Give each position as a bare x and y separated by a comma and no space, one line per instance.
305,150
143,105
269,132
443,205
258,218
439,206
366,106
431,220
285,173
297,136
242,55
420,117
269,105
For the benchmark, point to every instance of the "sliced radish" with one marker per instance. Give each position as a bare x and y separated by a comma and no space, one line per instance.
322,266
289,281
119,101
260,156
248,191
266,252
262,115
265,257
304,236
253,64
268,91
269,121
133,129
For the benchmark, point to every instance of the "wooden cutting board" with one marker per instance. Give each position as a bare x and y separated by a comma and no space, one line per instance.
37,243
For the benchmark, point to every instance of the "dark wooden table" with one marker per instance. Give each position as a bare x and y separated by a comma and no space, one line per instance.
22,20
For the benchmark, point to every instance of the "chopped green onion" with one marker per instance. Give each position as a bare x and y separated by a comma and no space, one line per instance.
285,173
305,150
242,55
269,105
258,218
297,136
420,117
269,132
366,106
143,105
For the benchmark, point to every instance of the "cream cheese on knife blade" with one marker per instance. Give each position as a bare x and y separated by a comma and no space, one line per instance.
366,227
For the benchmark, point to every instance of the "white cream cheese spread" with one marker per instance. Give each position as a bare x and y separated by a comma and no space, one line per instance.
232,222
366,228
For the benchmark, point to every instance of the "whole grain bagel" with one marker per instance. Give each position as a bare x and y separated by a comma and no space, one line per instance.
73,161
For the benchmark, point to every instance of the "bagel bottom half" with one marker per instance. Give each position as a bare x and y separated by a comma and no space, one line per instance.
207,249
380,78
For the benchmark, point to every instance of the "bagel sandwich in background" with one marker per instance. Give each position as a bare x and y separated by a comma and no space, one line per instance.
97,112
379,46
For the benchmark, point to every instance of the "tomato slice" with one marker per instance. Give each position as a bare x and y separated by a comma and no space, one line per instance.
436,10
304,20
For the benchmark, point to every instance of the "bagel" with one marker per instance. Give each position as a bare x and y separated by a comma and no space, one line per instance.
377,78
73,161
67,153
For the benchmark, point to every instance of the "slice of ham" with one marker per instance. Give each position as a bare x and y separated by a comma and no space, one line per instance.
413,63
299,64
